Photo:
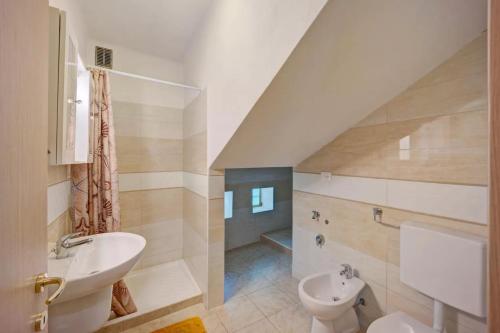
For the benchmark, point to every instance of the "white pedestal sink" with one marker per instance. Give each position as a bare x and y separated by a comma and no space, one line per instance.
90,271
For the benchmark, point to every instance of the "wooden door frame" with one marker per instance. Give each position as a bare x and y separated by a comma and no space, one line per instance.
23,164
494,221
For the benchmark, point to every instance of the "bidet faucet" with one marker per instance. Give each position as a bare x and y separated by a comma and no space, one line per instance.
347,271
63,244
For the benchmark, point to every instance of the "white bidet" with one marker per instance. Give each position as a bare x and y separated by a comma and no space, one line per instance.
330,298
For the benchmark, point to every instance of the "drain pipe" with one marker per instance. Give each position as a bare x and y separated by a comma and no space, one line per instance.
360,301
438,317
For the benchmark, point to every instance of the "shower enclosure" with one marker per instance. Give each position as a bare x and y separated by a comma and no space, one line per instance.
160,134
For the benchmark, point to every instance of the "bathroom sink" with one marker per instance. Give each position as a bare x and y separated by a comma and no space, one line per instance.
90,271
97,264
330,297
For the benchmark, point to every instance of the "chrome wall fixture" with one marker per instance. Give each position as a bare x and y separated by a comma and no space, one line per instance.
377,217
377,214
320,240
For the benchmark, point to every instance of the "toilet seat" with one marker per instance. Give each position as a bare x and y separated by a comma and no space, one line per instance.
398,322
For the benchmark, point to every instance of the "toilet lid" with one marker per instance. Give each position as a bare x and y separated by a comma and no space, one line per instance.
398,322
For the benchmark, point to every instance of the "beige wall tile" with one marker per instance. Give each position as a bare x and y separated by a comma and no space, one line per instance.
351,223
195,237
59,227
396,302
445,149
195,116
375,303
395,285
215,252
195,254
195,153
147,121
436,131
164,242
213,172
148,154
346,242
216,214
151,206
196,212
470,60
157,216
58,173
448,97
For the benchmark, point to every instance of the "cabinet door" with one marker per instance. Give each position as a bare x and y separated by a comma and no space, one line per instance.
84,126
69,100
70,121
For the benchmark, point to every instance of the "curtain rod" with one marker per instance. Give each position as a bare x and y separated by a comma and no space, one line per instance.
141,77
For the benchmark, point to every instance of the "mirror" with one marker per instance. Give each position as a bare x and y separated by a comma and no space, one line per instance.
70,119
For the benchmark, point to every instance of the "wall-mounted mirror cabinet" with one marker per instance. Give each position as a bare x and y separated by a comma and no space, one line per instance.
70,118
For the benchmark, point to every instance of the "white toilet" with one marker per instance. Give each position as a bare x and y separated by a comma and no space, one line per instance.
444,264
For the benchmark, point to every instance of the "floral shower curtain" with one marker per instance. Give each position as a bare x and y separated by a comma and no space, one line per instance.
95,185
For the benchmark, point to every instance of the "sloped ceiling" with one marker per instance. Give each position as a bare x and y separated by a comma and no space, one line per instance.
157,27
356,56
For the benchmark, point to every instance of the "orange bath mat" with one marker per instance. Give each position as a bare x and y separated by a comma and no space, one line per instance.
191,325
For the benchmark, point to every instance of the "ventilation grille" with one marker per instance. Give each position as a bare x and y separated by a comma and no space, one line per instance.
103,57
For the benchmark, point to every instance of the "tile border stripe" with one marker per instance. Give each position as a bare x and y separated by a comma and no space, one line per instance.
58,200
462,202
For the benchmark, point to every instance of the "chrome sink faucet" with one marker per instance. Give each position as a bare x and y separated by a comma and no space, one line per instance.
347,271
63,244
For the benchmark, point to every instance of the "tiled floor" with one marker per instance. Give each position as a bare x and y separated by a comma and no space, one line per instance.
283,237
261,296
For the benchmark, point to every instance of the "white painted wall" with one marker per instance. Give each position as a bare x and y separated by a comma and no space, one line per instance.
77,25
128,60
236,53
355,57
139,91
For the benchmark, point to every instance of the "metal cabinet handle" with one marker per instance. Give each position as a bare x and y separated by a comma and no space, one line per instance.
43,280
74,101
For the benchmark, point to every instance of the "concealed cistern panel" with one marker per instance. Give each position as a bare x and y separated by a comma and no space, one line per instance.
445,264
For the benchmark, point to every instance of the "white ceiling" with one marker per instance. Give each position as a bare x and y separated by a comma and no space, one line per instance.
157,27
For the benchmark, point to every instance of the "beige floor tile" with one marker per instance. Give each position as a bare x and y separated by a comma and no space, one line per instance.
270,300
294,319
235,267
243,284
213,324
290,285
238,313
261,326
264,261
276,272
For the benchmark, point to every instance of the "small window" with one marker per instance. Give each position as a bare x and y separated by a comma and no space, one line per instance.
256,197
228,204
262,199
